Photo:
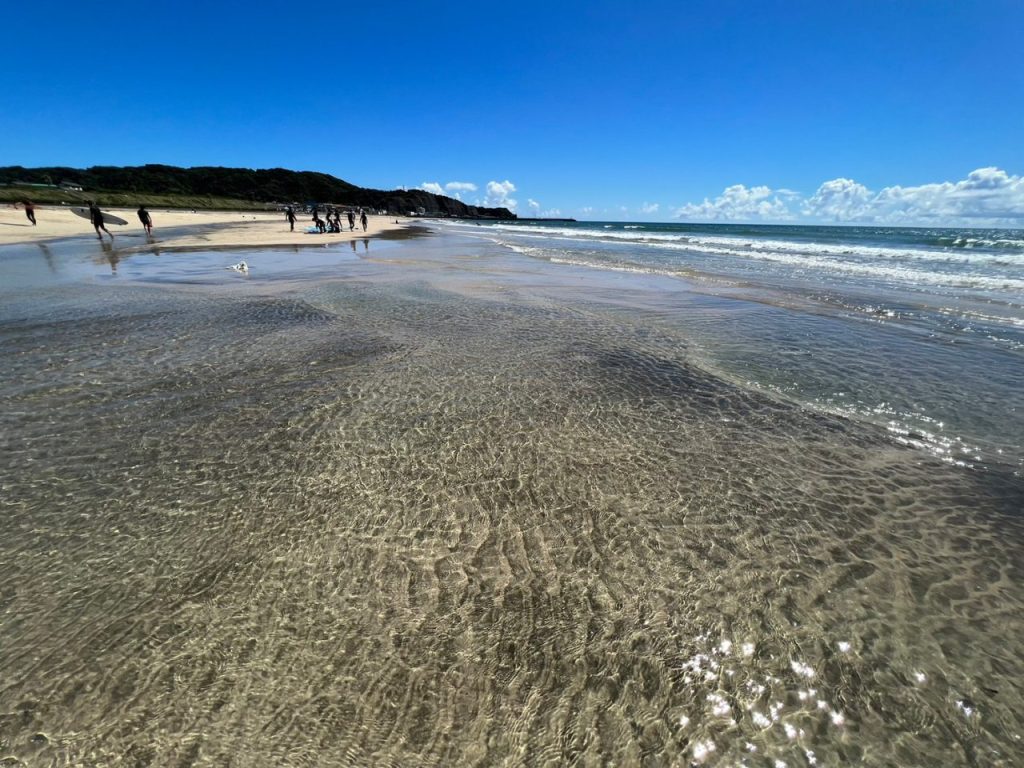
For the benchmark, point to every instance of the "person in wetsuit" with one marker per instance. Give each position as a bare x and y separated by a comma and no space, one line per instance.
290,215
362,220
96,216
30,211
146,219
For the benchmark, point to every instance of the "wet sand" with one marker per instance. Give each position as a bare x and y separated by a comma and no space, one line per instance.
450,507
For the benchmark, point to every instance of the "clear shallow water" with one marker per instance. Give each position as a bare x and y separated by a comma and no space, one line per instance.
919,330
455,507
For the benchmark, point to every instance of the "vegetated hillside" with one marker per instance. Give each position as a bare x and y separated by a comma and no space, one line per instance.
272,185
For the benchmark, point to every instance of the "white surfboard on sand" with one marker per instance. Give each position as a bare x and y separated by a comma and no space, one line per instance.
108,218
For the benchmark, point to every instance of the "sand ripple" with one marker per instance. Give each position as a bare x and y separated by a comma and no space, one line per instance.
370,526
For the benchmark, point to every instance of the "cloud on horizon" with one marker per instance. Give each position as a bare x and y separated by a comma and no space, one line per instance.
740,203
987,197
497,192
498,195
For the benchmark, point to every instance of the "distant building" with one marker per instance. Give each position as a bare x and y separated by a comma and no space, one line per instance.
71,186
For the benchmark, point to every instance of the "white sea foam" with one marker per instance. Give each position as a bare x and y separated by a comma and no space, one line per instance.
903,274
694,241
940,268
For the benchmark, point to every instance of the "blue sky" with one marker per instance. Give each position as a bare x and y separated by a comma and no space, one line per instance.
766,111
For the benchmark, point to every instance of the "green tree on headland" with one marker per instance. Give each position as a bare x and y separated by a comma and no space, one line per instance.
257,187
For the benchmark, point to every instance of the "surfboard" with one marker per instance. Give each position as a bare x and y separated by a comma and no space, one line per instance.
108,218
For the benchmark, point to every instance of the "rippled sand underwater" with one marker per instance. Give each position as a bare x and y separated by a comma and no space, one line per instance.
387,525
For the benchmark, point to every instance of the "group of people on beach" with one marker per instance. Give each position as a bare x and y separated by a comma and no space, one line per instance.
96,217
331,221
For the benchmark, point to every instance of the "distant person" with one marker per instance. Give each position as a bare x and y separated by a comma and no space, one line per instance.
96,216
362,220
290,215
30,211
351,221
146,219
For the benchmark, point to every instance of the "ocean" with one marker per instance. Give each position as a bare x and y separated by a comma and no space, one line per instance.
918,329
606,494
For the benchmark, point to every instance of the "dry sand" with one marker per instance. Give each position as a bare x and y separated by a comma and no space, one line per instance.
182,229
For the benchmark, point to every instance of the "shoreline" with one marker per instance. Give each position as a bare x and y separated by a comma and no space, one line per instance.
431,464
175,230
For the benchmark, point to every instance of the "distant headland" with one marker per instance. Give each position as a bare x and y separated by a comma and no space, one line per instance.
212,188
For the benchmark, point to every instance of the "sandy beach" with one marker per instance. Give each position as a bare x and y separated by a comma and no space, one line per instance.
181,229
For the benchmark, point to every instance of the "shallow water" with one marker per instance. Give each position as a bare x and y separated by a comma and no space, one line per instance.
920,331
447,509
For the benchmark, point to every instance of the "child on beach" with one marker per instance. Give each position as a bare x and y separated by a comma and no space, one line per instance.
30,211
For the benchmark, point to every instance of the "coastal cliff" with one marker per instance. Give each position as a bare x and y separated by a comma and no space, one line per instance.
215,186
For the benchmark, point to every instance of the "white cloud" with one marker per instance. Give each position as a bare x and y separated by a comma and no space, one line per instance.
534,205
987,197
460,186
839,200
587,209
649,208
740,203
552,212
432,186
498,195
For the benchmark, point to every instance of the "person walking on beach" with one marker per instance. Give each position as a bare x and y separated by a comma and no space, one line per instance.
146,219
30,210
290,215
362,220
96,216
351,221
